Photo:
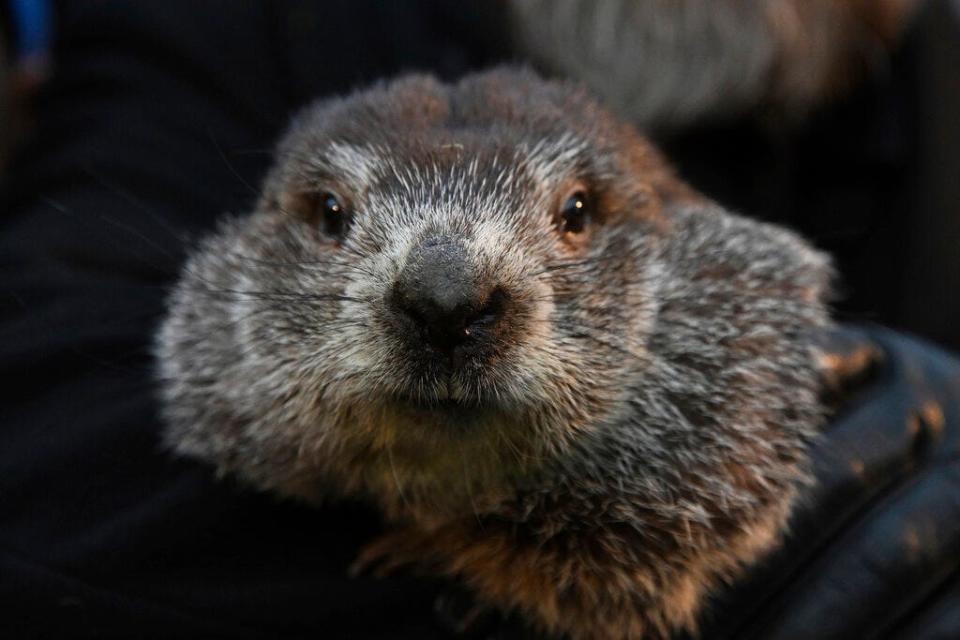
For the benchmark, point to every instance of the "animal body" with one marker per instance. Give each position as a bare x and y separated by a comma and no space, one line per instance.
491,308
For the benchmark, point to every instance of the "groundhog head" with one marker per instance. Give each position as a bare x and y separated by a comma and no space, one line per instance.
493,297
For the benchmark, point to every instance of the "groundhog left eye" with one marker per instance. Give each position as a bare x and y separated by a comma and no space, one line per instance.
333,214
575,213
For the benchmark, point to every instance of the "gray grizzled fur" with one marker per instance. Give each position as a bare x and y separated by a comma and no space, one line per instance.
639,433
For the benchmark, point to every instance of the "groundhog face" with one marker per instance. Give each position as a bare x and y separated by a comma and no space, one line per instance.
445,290
432,274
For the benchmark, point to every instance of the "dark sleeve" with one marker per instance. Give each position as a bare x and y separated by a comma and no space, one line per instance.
159,119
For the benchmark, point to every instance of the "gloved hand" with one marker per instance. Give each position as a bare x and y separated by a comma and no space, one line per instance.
874,549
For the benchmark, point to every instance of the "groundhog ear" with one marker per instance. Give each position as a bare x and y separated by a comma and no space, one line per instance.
646,163
416,101
519,96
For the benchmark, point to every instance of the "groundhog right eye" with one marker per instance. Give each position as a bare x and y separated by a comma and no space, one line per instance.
574,213
332,213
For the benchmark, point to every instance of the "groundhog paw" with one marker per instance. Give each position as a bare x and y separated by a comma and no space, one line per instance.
388,553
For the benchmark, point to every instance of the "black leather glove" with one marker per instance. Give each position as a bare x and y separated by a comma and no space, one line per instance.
874,550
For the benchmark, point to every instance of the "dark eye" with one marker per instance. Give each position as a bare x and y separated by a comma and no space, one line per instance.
332,213
575,213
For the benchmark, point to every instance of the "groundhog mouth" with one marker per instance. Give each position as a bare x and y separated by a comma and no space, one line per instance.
445,412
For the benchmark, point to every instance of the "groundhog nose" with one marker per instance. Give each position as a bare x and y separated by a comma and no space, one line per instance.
441,293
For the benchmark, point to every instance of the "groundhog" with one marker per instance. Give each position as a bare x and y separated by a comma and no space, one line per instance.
571,382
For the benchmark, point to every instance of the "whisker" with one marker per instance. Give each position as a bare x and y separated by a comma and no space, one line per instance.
223,156
279,295
396,477
581,262
305,263
469,487
60,208
128,196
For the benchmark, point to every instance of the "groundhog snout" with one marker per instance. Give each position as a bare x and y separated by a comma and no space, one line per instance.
450,306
